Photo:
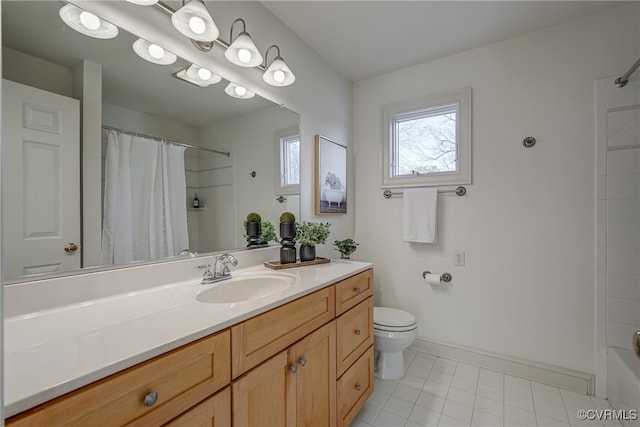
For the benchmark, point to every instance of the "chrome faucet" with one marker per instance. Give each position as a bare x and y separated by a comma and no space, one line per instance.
207,276
221,269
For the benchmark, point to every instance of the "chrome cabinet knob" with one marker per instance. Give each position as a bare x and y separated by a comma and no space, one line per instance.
357,290
302,361
357,332
358,387
150,399
293,368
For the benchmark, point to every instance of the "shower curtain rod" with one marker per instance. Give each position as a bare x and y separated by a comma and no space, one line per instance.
182,144
623,80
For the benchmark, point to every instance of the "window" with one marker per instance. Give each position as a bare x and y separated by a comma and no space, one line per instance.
428,141
289,162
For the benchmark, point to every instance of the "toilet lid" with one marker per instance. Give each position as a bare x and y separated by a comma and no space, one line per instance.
393,318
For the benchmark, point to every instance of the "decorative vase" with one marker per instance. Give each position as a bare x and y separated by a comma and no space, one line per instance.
344,256
254,230
307,253
288,250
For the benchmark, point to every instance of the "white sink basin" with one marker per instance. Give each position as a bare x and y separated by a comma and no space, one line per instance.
246,287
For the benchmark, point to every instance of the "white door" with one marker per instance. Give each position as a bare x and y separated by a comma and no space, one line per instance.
40,181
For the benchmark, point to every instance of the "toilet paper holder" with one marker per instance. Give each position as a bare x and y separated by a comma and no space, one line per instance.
444,277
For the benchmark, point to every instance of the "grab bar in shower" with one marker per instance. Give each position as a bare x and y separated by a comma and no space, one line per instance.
460,191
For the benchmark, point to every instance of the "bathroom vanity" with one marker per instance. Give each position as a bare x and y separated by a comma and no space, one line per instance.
303,356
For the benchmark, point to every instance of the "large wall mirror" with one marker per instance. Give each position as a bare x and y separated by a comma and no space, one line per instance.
43,57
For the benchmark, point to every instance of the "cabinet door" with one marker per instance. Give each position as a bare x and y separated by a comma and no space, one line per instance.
213,412
265,395
315,359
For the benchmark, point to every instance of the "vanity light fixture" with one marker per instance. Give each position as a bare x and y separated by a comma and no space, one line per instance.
238,91
143,2
87,23
242,51
153,53
194,21
278,73
198,76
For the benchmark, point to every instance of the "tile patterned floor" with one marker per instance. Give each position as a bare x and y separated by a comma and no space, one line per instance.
443,392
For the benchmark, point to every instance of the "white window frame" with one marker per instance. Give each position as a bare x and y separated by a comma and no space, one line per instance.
461,98
279,136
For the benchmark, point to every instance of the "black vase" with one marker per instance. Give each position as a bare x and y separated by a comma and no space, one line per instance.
307,253
254,230
288,251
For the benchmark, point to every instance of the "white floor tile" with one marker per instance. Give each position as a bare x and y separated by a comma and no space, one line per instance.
443,392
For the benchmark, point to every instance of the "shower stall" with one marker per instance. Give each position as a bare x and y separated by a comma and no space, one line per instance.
618,239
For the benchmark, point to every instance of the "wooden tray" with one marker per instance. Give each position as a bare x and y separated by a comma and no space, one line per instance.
276,265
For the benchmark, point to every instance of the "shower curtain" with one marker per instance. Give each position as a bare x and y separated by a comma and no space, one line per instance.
145,214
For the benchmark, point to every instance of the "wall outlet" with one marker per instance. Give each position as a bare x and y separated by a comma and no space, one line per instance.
458,258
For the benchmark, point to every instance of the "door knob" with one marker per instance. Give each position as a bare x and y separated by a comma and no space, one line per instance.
70,247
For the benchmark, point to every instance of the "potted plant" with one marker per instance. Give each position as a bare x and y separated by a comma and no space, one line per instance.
346,247
268,232
309,234
253,225
288,234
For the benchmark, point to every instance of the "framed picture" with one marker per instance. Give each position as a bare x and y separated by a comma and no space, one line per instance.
330,177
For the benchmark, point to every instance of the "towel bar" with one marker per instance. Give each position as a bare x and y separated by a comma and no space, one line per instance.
460,191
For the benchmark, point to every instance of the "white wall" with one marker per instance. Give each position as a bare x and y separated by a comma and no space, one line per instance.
527,222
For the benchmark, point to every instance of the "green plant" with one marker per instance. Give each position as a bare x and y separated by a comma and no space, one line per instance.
268,232
287,218
254,217
346,247
312,233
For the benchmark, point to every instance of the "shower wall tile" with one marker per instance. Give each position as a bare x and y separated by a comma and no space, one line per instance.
622,311
623,211
623,186
620,334
621,162
621,285
623,261
623,236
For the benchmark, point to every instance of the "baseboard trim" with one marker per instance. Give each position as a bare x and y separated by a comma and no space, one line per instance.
567,379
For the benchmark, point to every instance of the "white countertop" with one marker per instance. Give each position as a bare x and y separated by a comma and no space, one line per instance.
51,352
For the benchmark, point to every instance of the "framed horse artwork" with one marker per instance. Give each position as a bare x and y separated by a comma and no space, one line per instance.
330,176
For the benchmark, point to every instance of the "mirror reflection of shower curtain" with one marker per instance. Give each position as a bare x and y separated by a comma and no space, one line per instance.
144,212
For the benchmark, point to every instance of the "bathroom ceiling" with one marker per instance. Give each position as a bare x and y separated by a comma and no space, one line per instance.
362,39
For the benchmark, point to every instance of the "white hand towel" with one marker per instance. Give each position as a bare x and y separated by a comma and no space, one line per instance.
419,214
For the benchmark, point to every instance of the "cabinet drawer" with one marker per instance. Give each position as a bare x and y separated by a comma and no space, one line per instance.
255,340
353,290
213,412
354,388
355,334
181,378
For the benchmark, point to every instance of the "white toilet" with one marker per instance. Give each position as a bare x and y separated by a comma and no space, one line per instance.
393,331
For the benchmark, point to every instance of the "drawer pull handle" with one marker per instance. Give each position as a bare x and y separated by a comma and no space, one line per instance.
150,399
358,387
357,290
357,332
302,361
293,368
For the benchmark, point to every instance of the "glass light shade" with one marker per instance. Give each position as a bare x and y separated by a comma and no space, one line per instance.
278,73
153,53
238,91
194,21
201,76
87,23
243,52
143,2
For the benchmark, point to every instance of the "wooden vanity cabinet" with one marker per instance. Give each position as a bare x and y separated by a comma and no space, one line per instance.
151,393
212,412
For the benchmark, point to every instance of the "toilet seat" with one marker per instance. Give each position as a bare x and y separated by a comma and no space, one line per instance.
393,320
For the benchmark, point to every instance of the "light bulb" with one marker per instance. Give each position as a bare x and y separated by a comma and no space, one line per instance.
156,51
89,20
278,76
204,74
197,24
244,55
240,90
